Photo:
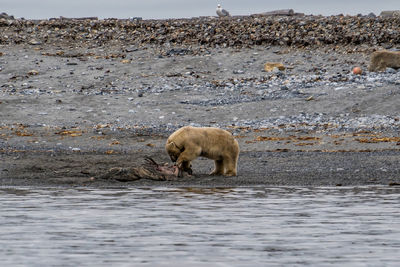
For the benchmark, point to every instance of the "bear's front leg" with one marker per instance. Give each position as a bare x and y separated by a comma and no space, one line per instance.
185,167
184,159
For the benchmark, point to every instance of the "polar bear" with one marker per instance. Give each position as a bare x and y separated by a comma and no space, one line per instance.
188,143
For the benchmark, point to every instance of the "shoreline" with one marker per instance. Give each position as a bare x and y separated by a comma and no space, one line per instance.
304,169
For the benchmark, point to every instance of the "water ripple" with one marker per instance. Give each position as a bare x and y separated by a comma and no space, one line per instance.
200,226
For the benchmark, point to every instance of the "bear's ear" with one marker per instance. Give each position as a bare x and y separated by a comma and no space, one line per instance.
171,145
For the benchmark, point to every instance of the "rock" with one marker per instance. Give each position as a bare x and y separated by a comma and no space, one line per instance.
238,72
357,71
380,60
33,72
4,15
390,13
131,49
34,42
269,66
390,70
178,51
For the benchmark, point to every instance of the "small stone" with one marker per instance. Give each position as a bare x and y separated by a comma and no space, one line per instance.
131,49
357,71
276,70
391,70
33,72
238,72
34,42
269,66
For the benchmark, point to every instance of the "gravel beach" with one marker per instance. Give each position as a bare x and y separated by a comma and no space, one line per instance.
78,97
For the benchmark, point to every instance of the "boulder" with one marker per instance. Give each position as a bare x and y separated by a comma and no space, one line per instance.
380,60
4,15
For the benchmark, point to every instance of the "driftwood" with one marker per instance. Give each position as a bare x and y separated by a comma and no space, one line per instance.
149,170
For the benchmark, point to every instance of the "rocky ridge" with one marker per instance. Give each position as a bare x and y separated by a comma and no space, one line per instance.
248,31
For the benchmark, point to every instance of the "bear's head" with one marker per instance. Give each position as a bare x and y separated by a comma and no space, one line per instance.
173,151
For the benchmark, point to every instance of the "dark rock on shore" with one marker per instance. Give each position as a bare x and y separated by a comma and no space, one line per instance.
4,15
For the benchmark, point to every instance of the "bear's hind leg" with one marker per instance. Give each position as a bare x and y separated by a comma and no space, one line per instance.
219,168
230,166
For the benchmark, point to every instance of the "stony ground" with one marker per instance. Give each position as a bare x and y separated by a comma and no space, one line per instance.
69,113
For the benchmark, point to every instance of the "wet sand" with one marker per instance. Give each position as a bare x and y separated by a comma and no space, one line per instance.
255,169
68,113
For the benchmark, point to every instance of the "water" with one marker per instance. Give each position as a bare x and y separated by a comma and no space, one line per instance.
149,9
200,227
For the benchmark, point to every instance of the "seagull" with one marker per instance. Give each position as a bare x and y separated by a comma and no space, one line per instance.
222,12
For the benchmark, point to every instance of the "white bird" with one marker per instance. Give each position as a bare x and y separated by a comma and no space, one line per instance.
222,12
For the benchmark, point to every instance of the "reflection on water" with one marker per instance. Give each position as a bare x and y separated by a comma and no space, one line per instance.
199,227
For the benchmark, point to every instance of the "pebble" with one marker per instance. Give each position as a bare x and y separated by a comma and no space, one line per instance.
238,72
275,85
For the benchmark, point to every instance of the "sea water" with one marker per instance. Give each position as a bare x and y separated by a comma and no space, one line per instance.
282,226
